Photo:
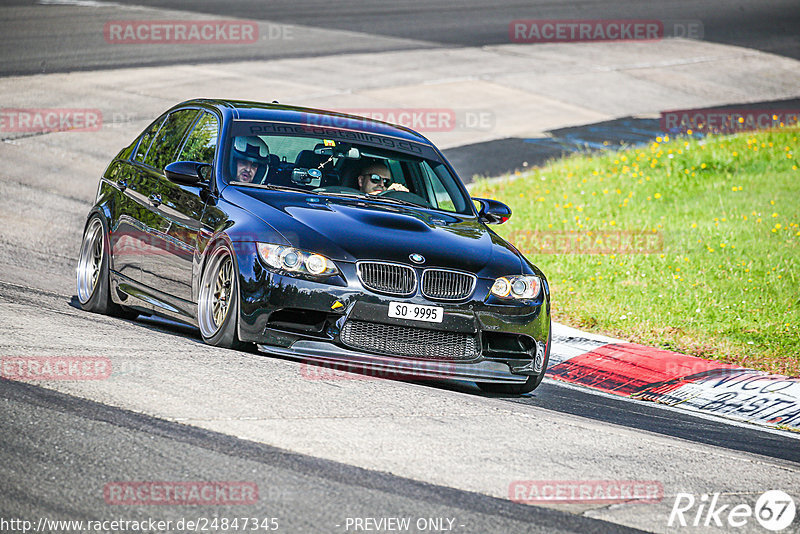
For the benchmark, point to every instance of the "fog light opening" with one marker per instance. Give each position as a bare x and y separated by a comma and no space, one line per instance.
538,360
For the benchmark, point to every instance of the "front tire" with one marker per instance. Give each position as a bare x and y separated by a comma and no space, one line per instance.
93,283
218,301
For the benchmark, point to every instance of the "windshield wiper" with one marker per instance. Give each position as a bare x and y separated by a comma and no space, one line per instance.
338,194
379,198
275,187
397,201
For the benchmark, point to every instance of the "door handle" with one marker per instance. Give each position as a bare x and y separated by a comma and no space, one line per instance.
155,199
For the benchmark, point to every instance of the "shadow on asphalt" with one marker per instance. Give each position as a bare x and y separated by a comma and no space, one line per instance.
506,156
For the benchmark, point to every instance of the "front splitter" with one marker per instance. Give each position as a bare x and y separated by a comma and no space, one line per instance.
395,367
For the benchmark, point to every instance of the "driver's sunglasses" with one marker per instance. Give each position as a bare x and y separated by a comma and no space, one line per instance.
376,179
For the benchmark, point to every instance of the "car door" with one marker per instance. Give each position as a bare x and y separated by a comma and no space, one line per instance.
150,190
180,211
129,239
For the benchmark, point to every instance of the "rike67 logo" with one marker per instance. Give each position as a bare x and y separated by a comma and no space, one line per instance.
774,510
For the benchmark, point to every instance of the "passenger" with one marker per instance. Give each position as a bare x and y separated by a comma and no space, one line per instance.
376,178
250,156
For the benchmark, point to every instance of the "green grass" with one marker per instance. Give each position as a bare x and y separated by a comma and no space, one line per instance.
712,270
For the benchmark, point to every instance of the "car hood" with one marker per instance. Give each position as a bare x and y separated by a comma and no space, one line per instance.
348,229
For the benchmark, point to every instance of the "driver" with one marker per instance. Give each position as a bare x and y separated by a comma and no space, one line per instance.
376,178
250,158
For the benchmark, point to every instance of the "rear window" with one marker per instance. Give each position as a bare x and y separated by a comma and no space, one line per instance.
146,140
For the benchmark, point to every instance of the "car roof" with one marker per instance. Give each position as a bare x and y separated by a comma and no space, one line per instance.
274,112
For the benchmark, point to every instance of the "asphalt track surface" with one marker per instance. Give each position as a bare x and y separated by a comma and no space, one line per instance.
51,36
57,450
766,25
302,493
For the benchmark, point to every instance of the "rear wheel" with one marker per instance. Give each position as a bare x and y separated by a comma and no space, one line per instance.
218,301
526,387
94,292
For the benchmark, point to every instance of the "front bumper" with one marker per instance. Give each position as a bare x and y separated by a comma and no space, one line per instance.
301,318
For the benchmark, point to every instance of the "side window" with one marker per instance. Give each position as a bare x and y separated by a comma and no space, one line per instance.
202,141
146,139
168,138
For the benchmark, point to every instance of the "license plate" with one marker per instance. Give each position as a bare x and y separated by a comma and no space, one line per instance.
416,312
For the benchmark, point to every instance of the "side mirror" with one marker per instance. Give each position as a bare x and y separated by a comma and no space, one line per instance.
492,211
187,172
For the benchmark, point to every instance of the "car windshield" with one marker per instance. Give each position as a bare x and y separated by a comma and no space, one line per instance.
410,173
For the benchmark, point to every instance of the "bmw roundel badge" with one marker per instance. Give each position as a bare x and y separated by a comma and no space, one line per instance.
416,258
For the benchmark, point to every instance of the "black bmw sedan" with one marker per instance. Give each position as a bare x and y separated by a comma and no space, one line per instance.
316,235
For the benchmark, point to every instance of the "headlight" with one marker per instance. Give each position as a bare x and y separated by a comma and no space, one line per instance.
296,261
521,286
